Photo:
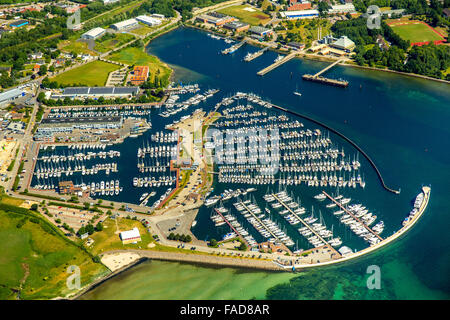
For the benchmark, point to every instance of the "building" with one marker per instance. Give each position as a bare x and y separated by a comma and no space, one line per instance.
236,26
110,1
139,75
93,34
51,126
125,25
159,16
343,43
130,236
260,31
296,45
302,14
215,18
97,92
342,8
298,5
66,187
18,24
151,21
390,13
11,95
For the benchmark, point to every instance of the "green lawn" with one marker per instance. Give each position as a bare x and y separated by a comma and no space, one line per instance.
111,43
142,30
137,56
38,257
416,32
94,73
75,46
244,14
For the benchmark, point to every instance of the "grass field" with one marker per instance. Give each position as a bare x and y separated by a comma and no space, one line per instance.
75,46
415,32
142,30
245,14
118,40
91,74
108,238
34,259
136,56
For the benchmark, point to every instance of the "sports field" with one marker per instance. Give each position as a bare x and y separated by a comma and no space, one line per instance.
415,31
247,14
91,74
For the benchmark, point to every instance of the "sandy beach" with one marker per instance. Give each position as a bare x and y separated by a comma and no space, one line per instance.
115,261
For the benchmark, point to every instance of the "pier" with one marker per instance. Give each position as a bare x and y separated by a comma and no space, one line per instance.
318,78
276,64
352,215
306,225
346,139
232,228
255,55
234,47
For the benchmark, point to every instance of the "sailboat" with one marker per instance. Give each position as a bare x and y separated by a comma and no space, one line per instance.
296,92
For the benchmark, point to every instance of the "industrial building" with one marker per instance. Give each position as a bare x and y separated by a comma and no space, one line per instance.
18,24
93,34
10,95
96,92
125,25
236,26
260,31
130,236
150,21
302,14
215,18
342,8
49,127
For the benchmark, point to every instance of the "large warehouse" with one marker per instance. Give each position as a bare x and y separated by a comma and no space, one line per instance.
97,92
148,20
125,25
302,14
93,34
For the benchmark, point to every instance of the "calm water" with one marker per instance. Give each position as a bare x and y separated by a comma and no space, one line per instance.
401,122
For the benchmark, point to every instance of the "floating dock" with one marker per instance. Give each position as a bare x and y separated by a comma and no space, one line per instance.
317,77
352,215
277,64
255,55
234,47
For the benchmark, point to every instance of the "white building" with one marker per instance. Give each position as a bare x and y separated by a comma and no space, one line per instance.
130,236
343,43
109,1
342,8
301,14
10,95
148,20
157,15
124,25
93,34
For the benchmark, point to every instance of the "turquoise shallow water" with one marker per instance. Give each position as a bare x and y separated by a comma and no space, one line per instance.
402,122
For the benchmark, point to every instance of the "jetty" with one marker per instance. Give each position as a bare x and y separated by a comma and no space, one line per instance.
231,226
318,78
306,225
234,47
252,56
276,64
352,215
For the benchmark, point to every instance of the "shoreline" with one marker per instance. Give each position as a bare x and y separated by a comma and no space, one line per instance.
324,58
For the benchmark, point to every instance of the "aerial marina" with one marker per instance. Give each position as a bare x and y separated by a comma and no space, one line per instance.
261,156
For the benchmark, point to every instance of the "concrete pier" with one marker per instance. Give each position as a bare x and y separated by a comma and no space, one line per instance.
255,55
276,64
